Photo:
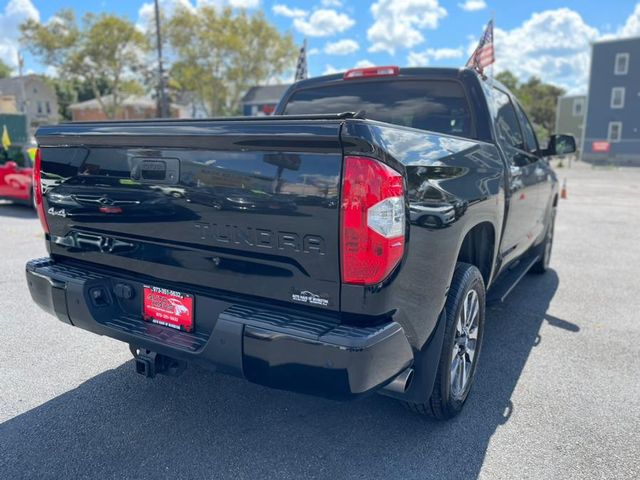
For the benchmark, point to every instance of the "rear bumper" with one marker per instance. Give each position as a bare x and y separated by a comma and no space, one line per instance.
268,345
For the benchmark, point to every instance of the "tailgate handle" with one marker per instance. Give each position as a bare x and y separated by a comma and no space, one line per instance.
164,171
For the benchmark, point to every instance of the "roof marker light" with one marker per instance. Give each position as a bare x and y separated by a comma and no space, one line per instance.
371,72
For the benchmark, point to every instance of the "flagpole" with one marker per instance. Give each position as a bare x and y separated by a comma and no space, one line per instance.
306,65
493,20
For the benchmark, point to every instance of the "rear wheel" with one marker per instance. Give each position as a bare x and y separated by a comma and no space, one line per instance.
465,311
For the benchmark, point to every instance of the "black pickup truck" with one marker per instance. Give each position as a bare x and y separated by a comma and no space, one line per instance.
344,246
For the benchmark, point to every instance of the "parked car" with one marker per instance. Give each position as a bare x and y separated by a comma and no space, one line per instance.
356,297
16,171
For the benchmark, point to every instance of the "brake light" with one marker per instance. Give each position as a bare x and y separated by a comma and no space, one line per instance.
37,190
370,72
372,223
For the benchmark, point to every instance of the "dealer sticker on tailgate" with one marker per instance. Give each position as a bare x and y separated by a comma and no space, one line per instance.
168,307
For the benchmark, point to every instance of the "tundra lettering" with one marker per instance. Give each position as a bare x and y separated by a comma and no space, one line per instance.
259,237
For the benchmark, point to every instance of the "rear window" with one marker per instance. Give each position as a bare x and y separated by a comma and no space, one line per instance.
435,105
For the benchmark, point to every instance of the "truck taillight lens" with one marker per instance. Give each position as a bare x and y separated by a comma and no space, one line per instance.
372,223
37,191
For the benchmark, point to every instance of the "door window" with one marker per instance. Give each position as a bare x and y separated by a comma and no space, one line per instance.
530,139
507,126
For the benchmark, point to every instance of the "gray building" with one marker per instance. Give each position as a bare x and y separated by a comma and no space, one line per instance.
262,100
570,114
33,97
612,133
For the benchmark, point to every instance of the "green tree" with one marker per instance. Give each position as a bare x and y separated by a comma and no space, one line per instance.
508,79
220,54
538,99
541,99
72,91
101,48
5,70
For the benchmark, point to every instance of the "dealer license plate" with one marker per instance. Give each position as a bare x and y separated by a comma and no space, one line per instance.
168,307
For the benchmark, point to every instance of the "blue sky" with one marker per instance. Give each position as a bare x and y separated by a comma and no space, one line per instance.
546,38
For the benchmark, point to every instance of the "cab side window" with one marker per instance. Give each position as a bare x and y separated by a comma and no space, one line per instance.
507,125
530,139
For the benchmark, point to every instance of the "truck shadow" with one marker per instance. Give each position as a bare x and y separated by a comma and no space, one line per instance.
207,425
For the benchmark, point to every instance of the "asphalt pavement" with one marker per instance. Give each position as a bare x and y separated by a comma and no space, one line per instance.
557,393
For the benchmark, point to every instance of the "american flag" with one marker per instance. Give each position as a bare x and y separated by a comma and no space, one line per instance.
301,67
483,55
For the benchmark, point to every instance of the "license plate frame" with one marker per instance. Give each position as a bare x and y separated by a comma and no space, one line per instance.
168,308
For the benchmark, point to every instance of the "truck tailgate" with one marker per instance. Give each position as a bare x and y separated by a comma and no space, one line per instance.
241,206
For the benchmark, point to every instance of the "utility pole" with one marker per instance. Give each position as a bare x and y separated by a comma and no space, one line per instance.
24,105
163,110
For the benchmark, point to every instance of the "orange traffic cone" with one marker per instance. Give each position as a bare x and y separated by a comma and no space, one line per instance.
563,192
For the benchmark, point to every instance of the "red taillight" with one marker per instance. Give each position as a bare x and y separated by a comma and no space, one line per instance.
369,72
372,223
37,191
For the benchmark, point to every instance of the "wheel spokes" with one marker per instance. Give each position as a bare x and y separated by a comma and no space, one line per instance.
465,342
463,373
455,365
471,349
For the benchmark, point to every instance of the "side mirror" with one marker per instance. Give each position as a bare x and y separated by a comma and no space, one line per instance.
561,145
11,165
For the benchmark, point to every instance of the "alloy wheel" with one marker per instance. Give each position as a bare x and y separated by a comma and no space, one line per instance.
465,344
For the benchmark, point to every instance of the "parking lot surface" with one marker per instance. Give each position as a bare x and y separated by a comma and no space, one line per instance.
557,393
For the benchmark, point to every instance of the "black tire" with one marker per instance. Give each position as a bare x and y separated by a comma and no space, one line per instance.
542,265
445,402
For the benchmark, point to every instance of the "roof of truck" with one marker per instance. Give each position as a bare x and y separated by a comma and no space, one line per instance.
404,72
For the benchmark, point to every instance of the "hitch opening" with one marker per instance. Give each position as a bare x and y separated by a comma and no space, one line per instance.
149,363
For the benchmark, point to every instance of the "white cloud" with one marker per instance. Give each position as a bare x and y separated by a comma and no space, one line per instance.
285,11
417,59
146,13
553,45
230,3
331,3
323,23
313,51
397,23
342,47
15,13
631,28
364,64
473,5
330,70
445,53
421,59
244,3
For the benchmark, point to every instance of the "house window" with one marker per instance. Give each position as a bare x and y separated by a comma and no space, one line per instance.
39,107
615,131
48,105
578,107
622,64
617,97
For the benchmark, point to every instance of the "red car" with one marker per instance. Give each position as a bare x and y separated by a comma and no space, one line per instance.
15,176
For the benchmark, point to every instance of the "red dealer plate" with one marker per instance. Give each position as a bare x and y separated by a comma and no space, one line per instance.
168,307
